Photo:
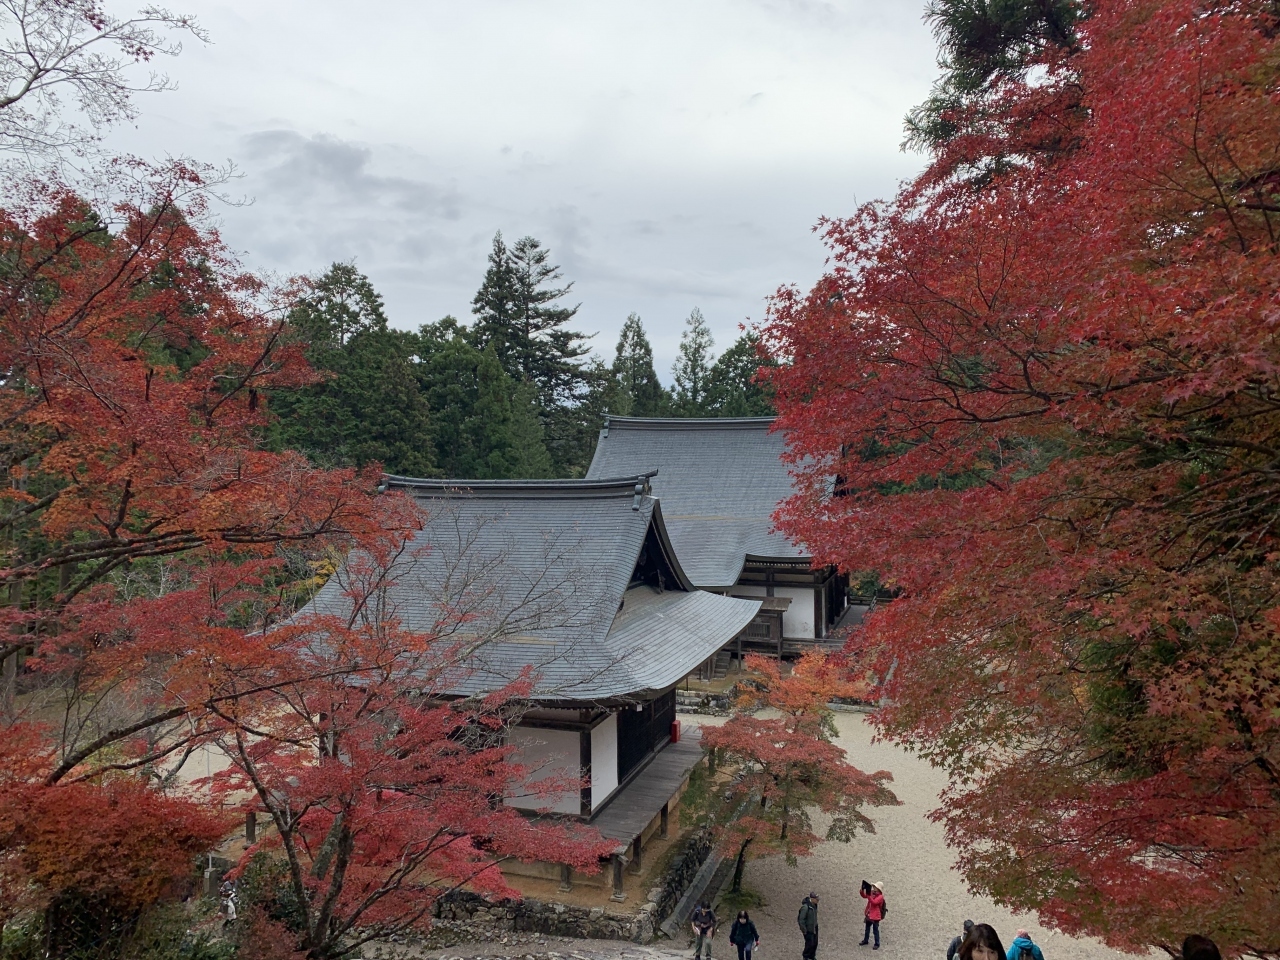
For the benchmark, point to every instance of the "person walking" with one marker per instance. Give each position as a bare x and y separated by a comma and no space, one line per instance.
982,943
954,948
704,923
1023,948
744,935
873,893
808,920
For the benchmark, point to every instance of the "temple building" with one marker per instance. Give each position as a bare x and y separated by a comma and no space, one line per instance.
719,482
576,583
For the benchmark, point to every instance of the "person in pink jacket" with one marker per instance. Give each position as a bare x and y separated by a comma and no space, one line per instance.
873,893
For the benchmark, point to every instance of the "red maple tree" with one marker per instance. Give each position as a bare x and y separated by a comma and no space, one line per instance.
384,794
153,547
141,516
780,745
1049,400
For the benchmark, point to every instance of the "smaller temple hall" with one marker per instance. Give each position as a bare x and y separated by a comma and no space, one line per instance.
720,482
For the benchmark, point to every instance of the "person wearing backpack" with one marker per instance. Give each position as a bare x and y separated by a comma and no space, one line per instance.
873,893
808,920
704,925
1023,948
744,935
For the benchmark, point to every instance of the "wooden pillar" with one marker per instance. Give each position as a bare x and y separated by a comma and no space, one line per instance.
637,854
619,861
584,769
566,878
666,813
251,827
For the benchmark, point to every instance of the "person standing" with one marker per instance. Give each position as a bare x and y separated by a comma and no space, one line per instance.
954,948
1023,948
744,936
703,922
873,893
982,943
958,941
808,920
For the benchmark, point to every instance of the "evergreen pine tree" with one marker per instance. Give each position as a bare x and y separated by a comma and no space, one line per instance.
504,430
370,407
731,387
516,313
639,393
573,431
488,426
692,368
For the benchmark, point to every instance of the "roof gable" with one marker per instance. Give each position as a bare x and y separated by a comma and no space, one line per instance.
719,481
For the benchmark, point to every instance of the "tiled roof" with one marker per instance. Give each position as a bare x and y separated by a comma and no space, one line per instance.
719,482
536,573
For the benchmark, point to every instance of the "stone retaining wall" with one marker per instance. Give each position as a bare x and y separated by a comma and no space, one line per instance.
463,917
708,704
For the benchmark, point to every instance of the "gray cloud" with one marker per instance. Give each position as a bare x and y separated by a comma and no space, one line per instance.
295,167
669,154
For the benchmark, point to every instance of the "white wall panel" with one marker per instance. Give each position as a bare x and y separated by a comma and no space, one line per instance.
797,619
548,753
604,760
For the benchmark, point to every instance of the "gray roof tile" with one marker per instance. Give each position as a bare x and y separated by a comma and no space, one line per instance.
719,482
536,574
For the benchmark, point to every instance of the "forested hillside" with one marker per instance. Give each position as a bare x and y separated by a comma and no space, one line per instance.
515,393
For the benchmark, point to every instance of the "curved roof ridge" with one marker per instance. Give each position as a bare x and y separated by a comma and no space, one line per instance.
688,423
625,486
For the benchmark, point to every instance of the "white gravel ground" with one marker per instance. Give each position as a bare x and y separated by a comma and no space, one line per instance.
928,901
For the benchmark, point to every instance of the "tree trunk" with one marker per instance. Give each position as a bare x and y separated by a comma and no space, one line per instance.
737,867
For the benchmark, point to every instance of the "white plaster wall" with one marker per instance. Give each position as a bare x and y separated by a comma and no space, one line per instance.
797,619
548,753
604,760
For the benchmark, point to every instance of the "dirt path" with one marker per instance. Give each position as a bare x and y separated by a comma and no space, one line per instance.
927,900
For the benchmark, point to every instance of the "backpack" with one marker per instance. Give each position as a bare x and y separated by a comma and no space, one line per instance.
1025,952
884,912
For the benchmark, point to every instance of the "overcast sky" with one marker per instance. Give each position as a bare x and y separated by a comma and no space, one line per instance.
670,154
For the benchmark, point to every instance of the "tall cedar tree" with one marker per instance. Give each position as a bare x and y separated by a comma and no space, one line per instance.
639,392
487,425
733,387
515,311
1051,402
785,765
692,368
369,409
149,539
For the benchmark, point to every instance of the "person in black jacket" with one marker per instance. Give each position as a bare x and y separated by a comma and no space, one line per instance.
955,944
808,920
744,935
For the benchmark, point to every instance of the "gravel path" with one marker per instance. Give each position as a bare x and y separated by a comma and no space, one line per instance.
927,900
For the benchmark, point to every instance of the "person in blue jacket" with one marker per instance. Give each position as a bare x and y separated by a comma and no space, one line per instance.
1024,949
